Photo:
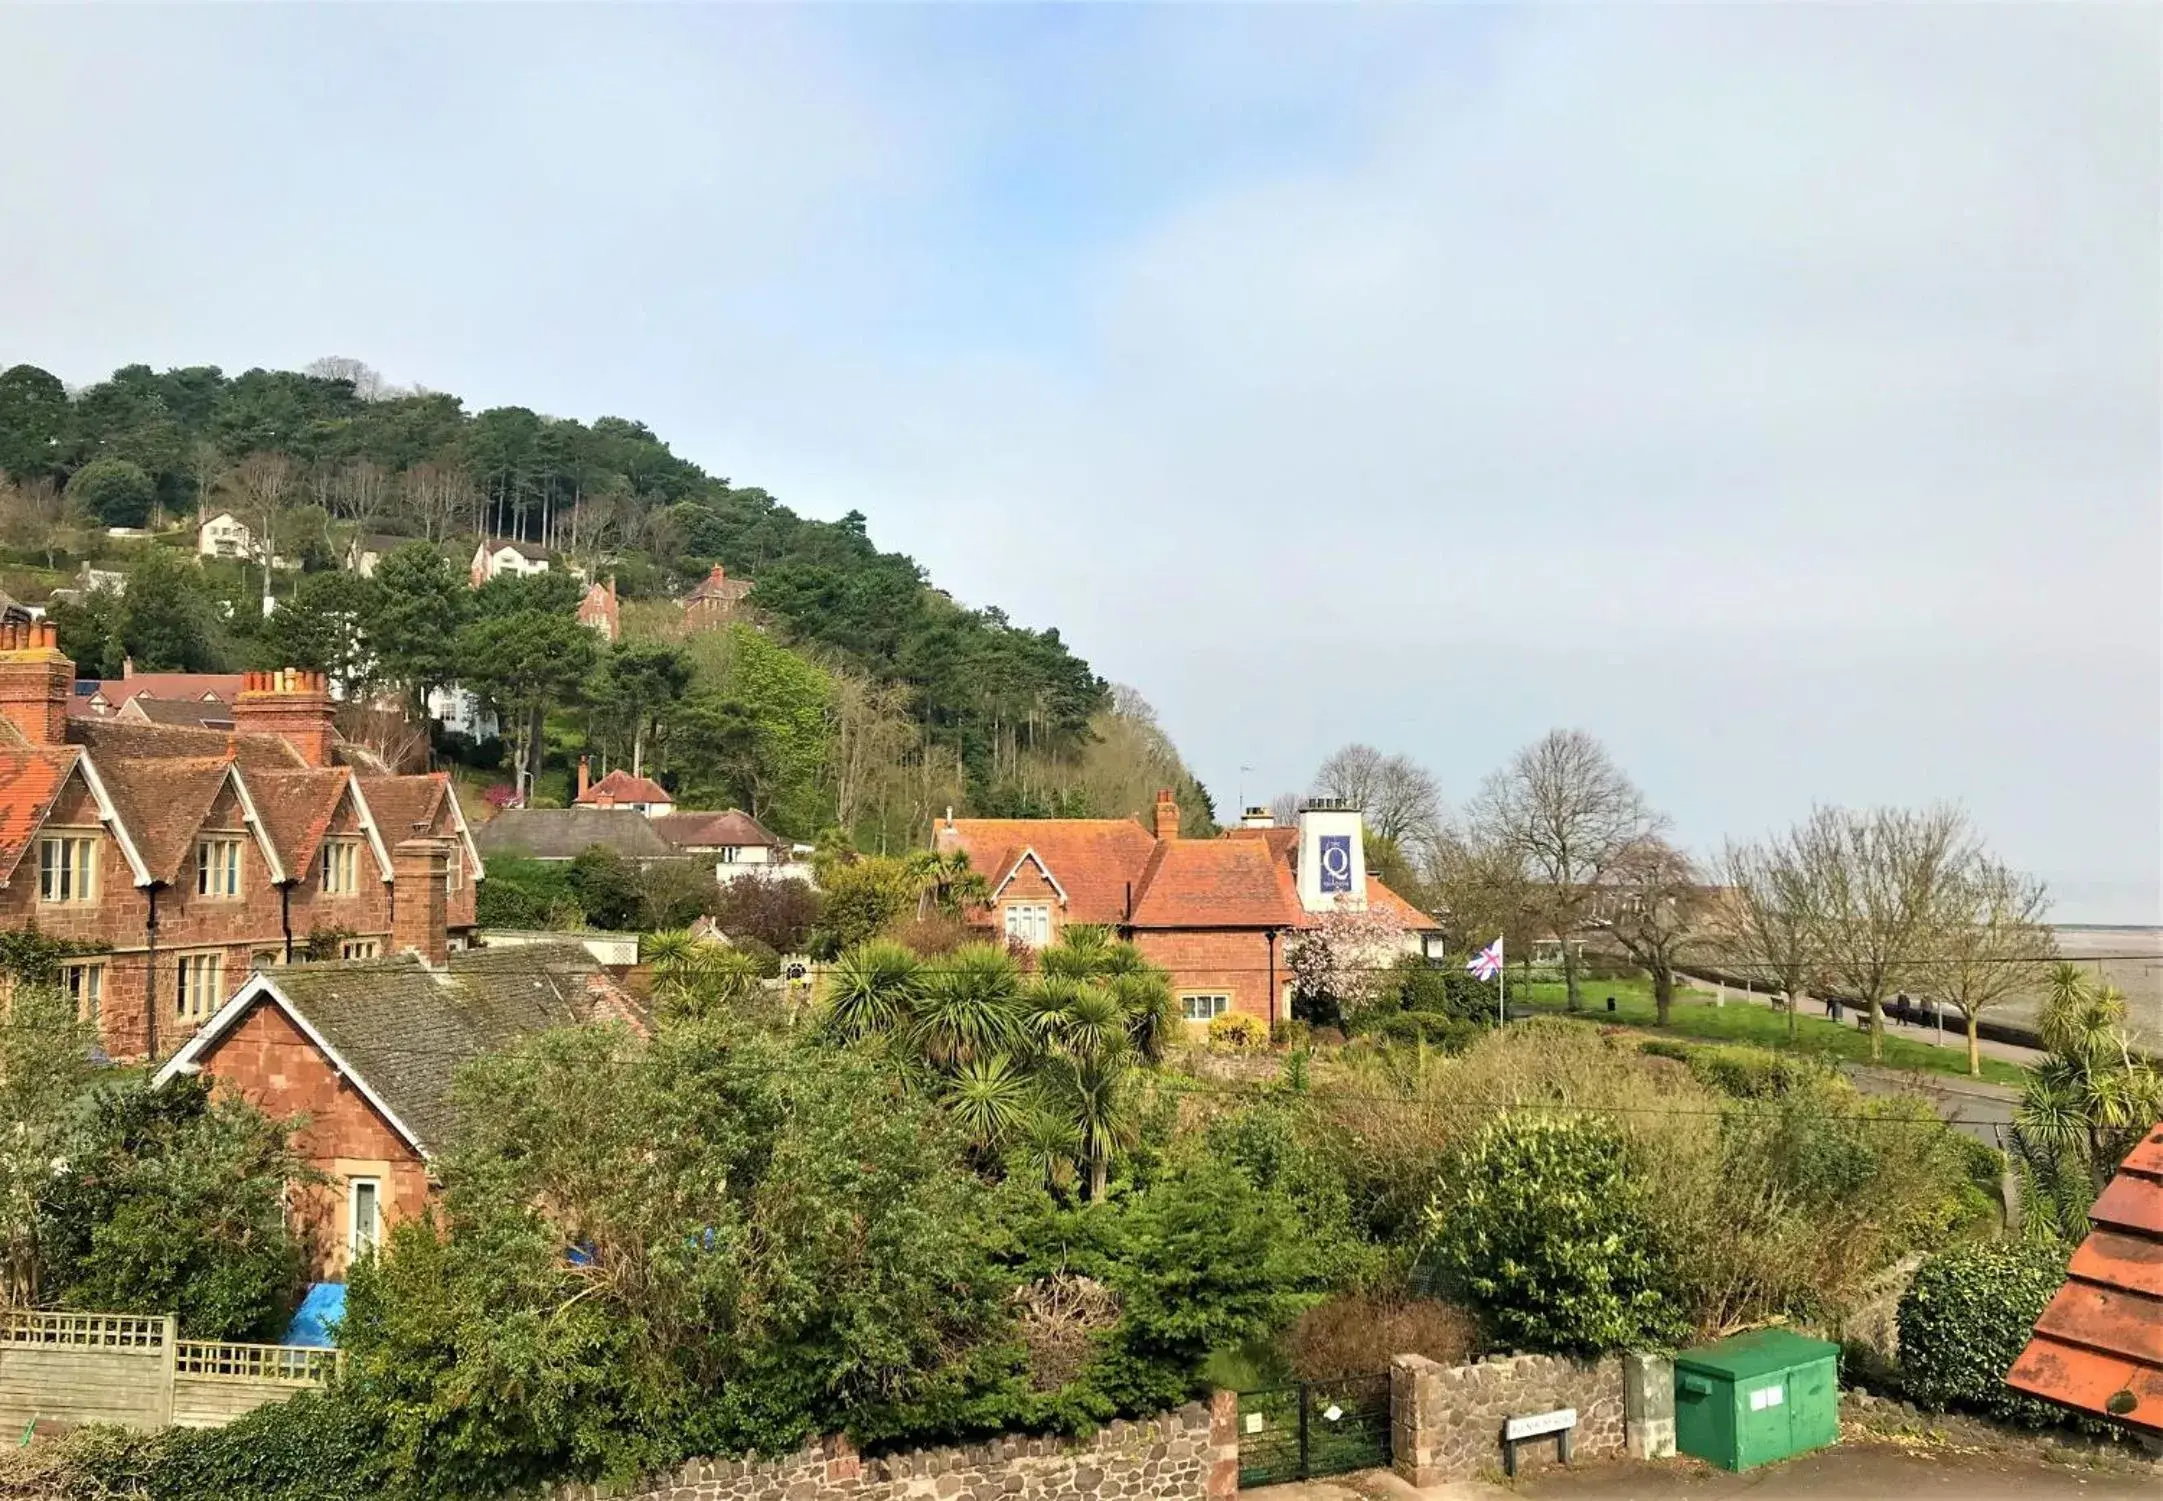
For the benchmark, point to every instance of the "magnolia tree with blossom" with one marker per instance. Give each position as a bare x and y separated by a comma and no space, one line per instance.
1340,966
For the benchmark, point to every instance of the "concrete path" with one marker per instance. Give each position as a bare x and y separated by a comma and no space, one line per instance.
1954,1037
1980,1110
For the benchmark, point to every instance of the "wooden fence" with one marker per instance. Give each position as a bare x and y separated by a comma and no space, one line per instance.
135,1370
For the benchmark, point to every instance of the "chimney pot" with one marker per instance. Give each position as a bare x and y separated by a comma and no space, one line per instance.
1167,814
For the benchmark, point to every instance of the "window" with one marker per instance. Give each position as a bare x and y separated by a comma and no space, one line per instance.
1030,922
1202,1008
731,853
85,985
454,869
364,1214
341,858
358,948
202,985
67,868
217,867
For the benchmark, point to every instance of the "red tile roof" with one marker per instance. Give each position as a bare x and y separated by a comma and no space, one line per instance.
297,808
1093,859
1217,883
404,806
2099,1345
188,713
110,741
29,781
620,788
163,804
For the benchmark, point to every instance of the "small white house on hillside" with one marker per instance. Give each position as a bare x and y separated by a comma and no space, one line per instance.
225,536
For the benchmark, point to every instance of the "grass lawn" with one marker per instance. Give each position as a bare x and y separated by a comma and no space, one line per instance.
1695,1016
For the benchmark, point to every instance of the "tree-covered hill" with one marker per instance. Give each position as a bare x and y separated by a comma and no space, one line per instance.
996,716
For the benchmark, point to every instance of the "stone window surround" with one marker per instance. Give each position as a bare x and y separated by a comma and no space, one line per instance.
76,865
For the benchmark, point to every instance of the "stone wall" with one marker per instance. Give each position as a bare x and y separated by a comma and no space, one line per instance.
1446,1421
1188,1455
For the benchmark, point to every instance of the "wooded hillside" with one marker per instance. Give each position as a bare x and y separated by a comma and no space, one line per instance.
969,707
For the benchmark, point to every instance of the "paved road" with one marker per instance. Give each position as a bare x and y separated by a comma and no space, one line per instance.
1852,1472
1981,1110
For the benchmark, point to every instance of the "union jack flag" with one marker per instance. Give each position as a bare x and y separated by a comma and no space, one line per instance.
1487,963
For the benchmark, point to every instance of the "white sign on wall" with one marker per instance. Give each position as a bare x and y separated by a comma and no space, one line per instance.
1538,1423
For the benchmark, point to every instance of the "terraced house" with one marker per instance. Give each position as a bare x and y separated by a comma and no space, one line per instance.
179,858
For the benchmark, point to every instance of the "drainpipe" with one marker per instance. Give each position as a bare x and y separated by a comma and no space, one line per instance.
285,917
150,978
1269,936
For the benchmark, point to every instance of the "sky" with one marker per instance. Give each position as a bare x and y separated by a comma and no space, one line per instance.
1771,391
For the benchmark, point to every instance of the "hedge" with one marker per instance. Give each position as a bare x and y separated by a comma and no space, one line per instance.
1964,1320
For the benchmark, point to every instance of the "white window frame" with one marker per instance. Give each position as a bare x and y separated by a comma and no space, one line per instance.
454,870
202,985
1211,1004
360,948
339,871
358,1244
85,984
1030,922
731,853
67,868
217,867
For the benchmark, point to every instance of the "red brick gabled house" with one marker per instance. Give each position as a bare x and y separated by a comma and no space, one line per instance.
181,858
367,1053
1218,914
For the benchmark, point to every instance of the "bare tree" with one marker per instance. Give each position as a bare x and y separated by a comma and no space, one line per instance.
1763,924
1400,798
362,493
1284,810
872,733
261,482
1993,944
367,383
1654,906
35,515
1485,894
1882,883
1569,817
439,500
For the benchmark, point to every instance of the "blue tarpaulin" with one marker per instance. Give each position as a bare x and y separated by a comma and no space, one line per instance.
315,1322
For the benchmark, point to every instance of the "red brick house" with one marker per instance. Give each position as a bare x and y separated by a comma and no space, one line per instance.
713,601
1216,913
598,611
620,789
367,1052
182,858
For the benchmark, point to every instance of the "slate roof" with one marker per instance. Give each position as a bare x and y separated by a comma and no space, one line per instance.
621,787
714,830
566,833
531,551
405,1030
111,741
221,685
2101,1339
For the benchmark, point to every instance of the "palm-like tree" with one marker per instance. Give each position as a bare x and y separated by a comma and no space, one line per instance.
2084,1105
945,883
695,977
969,1006
991,1099
1044,1147
872,990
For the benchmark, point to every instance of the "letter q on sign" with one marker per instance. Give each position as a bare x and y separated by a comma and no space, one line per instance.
1336,862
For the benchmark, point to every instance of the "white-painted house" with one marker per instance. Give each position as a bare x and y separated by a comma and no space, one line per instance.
225,536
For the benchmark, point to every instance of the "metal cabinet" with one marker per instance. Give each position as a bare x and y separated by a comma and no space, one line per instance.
1757,1397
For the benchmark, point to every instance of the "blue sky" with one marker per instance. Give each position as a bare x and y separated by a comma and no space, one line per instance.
1771,391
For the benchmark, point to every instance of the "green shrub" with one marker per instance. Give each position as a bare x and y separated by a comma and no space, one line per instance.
1542,1229
1444,990
1238,1031
1964,1320
314,1447
1749,1073
1449,1033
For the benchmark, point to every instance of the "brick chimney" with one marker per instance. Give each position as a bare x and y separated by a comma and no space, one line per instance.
585,778
293,702
35,681
419,883
1167,815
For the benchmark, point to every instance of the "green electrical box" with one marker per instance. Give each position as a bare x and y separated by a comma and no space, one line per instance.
1757,1397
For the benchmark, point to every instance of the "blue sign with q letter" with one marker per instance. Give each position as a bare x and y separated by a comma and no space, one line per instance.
1336,862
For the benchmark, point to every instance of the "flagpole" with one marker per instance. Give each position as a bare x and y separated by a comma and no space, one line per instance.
1502,989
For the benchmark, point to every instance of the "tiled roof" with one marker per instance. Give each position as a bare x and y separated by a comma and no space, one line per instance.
565,833
1281,841
621,787
222,685
532,551
1094,859
1381,898
403,806
713,830
29,781
111,741
406,1030
717,585
297,807
1216,883
163,804
2099,1345
189,713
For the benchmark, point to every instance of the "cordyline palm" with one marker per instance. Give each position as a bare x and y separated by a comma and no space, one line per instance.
1086,1068
696,977
945,883
2085,1104
991,1100
969,1007
872,991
